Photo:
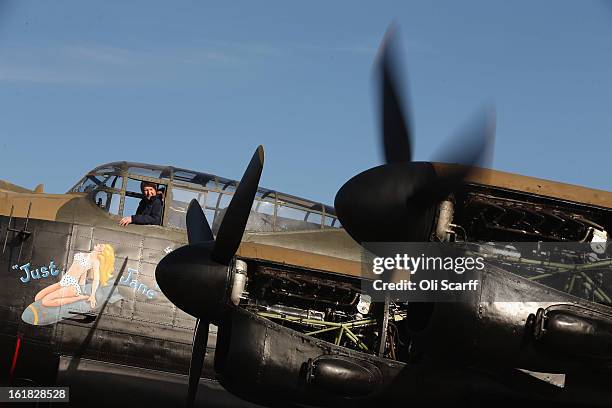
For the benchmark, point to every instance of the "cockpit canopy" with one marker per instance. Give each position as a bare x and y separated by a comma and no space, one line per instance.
115,188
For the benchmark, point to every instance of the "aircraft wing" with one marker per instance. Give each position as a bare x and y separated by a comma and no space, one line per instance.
330,250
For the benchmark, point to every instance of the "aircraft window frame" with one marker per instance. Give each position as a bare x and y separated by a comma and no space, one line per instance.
314,214
192,186
81,188
331,222
116,168
219,193
152,173
114,208
109,177
226,193
112,186
223,201
291,217
229,188
201,198
210,211
216,193
212,200
161,183
96,183
75,187
179,176
291,210
257,203
300,202
329,210
212,184
263,193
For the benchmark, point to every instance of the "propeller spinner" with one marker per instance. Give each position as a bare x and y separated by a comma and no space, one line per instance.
397,200
198,277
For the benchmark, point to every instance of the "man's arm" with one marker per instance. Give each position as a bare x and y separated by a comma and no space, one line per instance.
128,220
150,219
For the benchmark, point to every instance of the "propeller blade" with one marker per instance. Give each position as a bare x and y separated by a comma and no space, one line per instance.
395,123
237,213
198,229
472,149
198,353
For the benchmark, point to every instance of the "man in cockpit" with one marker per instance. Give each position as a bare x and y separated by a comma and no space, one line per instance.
150,208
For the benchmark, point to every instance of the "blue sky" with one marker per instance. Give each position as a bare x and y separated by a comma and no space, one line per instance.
200,84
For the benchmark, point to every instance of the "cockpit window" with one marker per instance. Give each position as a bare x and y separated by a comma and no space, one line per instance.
108,168
262,212
108,201
86,185
94,181
187,176
265,206
144,171
314,218
331,222
177,209
113,181
116,190
291,218
224,201
133,196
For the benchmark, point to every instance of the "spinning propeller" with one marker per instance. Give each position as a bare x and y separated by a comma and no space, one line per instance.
198,277
397,200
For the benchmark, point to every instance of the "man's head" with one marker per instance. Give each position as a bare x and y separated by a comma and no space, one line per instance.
149,189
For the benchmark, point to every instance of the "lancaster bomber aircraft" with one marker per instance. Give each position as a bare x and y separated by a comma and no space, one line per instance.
279,282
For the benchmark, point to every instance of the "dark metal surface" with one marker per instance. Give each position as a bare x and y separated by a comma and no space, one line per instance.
136,330
101,384
265,362
343,376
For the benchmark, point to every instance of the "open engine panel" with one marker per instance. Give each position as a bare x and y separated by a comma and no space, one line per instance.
329,307
575,257
507,216
333,308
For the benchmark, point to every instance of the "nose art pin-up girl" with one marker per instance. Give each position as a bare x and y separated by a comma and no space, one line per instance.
99,262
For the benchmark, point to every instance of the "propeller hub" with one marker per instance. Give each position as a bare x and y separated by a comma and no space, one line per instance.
194,282
382,204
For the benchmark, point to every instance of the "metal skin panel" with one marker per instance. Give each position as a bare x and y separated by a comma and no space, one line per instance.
258,359
475,330
344,376
575,333
328,242
139,330
109,385
263,359
265,363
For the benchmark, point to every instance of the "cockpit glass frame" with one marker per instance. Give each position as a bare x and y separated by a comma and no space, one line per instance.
271,211
144,171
